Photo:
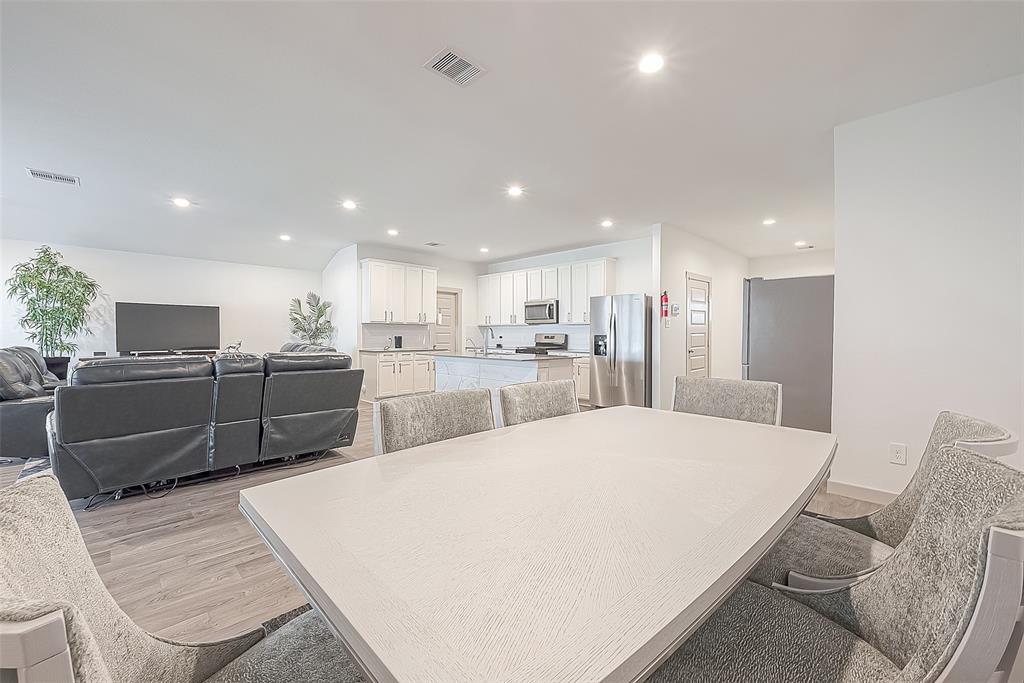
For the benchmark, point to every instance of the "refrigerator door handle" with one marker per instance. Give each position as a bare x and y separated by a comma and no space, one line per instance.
613,352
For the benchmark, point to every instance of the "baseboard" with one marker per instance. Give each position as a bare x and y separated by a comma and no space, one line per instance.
861,492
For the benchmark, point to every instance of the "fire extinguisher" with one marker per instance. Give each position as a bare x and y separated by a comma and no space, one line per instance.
664,304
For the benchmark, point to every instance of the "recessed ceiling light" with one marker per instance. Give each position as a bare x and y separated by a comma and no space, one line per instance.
607,223
514,191
768,221
651,63
349,204
181,202
800,244
285,238
392,232
484,250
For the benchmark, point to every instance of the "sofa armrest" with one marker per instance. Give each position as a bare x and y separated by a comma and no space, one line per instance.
23,427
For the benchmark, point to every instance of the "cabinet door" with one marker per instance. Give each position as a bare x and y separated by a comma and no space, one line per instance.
564,294
583,380
506,299
387,379
413,295
406,377
429,296
597,283
421,376
519,290
534,285
549,283
580,299
396,293
375,298
483,300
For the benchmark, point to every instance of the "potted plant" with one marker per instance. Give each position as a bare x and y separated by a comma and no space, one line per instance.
57,298
311,325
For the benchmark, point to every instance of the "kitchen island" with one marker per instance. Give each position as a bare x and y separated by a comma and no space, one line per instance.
493,370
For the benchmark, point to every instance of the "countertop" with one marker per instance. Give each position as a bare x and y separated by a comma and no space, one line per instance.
401,350
511,357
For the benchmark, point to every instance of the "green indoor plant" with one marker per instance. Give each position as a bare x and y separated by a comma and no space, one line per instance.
312,325
57,298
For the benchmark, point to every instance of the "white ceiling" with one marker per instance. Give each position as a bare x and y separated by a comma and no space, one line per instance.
267,114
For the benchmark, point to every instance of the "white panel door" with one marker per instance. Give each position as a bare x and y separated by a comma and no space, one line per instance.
396,292
698,326
413,295
375,298
387,379
534,285
519,292
564,294
549,283
580,299
406,377
506,299
421,376
429,296
444,333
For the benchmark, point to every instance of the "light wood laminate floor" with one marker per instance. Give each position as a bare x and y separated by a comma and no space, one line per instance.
188,566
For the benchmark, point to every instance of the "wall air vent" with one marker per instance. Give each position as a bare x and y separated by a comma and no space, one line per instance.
433,244
454,67
52,177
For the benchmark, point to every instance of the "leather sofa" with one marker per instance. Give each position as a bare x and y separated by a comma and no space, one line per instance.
26,397
302,347
125,422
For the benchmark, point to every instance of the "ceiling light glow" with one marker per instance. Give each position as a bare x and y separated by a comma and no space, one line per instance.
349,204
484,250
768,221
392,232
799,243
285,238
181,202
651,63
514,191
607,223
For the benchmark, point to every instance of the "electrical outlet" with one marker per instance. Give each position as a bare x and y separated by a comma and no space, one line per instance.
898,453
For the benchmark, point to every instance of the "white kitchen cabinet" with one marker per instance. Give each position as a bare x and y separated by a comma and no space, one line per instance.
375,292
399,293
489,300
506,299
564,276
387,378
519,292
396,292
501,296
580,308
549,283
422,375
413,295
406,377
534,284
581,373
429,296
396,373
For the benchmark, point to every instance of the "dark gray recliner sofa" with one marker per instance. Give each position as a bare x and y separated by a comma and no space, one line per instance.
302,347
26,398
237,407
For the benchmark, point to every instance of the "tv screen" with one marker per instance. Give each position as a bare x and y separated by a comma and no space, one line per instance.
166,327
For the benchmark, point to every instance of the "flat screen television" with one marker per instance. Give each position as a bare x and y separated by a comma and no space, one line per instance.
166,327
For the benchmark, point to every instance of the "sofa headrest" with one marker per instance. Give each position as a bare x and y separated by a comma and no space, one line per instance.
234,363
300,347
16,380
137,369
295,362
36,365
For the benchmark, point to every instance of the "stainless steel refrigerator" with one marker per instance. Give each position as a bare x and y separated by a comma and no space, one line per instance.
787,338
620,353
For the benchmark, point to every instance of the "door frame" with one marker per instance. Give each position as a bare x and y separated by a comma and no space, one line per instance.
457,324
687,276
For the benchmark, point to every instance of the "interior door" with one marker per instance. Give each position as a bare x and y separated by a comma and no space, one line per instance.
444,334
698,325
413,295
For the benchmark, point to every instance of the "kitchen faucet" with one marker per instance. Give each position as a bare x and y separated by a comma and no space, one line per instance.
489,333
470,342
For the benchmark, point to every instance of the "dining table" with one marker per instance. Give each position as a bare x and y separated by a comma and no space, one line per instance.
586,547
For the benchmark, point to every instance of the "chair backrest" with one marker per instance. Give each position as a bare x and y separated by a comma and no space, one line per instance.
237,409
891,523
310,403
735,399
45,567
537,401
916,607
117,412
411,421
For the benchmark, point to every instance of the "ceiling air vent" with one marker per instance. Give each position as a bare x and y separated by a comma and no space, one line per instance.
433,244
52,177
454,67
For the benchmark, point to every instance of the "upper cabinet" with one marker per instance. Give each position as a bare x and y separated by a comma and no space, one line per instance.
501,297
398,293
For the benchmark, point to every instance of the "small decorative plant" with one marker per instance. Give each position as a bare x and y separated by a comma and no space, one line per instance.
312,325
57,298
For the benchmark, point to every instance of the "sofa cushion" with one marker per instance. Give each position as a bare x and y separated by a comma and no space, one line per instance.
16,380
296,362
301,347
131,369
234,363
37,366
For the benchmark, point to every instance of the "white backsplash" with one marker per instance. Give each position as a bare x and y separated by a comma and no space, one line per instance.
413,336
519,335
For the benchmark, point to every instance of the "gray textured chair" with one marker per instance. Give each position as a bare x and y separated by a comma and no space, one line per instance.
735,399
58,623
820,551
410,421
537,401
943,607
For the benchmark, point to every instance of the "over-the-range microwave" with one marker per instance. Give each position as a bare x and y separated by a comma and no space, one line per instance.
541,312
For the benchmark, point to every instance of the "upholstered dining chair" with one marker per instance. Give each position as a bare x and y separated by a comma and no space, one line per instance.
735,399
410,421
537,401
943,608
59,624
819,551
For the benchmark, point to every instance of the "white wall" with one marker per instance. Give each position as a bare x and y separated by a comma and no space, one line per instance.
804,263
340,280
929,275
253,300
676,252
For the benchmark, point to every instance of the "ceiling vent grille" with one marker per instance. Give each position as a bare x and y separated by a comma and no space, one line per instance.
52,177
454,67
433,244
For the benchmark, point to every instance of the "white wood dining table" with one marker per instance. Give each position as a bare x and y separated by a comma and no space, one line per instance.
586,547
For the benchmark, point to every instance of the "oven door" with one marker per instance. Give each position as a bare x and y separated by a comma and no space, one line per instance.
541,312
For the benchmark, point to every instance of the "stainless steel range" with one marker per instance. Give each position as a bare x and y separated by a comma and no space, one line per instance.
542,343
